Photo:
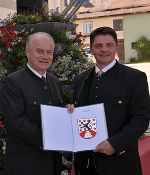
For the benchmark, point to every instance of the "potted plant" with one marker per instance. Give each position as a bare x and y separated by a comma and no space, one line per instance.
41,22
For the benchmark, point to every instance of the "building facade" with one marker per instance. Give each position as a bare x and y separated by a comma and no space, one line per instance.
127,17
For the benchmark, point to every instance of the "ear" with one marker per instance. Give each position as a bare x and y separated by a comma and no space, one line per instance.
27,53
117,49
91,50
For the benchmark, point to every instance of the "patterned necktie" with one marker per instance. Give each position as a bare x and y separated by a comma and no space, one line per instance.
44,82
99,73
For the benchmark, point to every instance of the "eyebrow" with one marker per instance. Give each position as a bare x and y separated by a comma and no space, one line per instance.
43,49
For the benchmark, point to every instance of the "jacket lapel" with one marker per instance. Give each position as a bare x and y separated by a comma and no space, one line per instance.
86,87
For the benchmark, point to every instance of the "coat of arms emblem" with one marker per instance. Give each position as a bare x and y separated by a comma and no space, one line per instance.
87,128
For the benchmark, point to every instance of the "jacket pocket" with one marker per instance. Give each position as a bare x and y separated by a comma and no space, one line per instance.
116,110
33,109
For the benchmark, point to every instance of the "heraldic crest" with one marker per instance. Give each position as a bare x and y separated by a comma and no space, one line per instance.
87,127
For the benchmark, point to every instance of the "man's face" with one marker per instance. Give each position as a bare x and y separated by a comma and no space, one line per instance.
40,55
104,49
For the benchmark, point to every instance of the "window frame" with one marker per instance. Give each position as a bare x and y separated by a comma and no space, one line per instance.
87,27
118,24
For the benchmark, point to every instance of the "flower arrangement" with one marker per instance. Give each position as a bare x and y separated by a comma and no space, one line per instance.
12,48
38,17
67,68
55,16
12,40
70,62
80,39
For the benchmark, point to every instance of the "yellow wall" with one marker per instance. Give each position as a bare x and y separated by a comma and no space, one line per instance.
99,22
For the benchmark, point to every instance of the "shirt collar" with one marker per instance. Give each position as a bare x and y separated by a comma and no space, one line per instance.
36,73
109,66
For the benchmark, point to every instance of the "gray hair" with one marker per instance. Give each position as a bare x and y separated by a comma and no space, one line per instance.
38,34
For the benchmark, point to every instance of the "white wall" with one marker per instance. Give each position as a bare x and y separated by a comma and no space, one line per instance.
10,4
4,12
7,7
53,4
135,26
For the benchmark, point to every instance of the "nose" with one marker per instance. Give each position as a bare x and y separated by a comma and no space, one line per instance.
45,55
104,48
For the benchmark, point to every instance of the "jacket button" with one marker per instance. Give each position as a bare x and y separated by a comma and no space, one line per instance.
120,102
122,152
34,102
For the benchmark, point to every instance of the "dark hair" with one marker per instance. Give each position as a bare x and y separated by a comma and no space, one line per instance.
103,31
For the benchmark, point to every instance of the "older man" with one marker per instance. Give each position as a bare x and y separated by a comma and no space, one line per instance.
23,92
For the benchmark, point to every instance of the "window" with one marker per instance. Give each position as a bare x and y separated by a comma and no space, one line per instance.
118,24
87,27
133,45
66,2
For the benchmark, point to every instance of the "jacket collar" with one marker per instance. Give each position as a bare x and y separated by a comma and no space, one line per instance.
91,71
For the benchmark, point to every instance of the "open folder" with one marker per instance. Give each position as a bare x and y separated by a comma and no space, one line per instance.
81,130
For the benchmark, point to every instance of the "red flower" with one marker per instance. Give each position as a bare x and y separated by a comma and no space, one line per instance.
4,40
1,125
2,55
8,45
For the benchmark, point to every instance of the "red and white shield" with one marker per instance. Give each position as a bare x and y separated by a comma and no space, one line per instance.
87,128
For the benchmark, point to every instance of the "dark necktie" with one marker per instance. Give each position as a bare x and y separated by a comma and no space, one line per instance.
44,82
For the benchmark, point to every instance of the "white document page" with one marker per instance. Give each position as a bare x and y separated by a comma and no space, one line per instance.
82,130
57,128
92,112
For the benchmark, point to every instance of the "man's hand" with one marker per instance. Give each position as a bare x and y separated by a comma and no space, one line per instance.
70,108
105,147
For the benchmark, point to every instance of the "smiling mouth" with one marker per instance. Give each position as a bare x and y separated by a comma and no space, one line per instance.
43,62
103,55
